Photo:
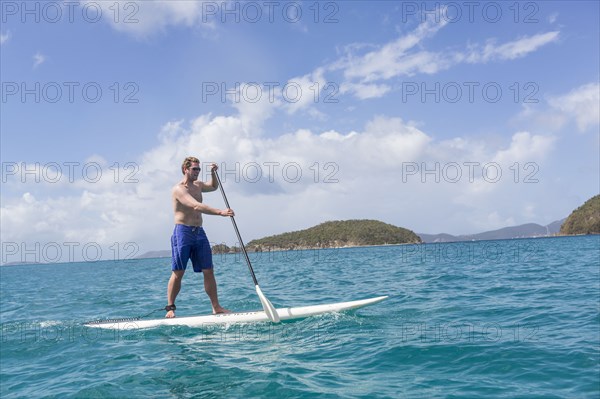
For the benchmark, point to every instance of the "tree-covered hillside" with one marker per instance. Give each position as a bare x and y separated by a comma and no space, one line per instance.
585,219
338,234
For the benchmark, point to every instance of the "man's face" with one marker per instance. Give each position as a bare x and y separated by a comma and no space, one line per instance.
194,171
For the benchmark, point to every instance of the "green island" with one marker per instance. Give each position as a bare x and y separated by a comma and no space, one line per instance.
583,220
332,234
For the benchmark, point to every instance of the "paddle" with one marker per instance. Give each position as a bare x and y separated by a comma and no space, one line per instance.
267,305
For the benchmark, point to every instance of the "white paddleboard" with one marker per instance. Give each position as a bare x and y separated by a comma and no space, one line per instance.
232,318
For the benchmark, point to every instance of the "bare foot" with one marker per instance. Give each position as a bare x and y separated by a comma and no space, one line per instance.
170,314
220,309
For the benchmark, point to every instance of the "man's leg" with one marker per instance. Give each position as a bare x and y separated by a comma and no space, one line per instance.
173,289
210,286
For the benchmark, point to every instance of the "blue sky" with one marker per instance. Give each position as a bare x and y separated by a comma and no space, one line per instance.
454,117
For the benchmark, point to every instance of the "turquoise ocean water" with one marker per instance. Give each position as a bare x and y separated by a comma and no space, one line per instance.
511,318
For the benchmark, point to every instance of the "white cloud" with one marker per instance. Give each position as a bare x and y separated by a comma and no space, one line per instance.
145,18
525,147
4,37
364,74
301,92
38,59
511,50
581,104
255,104
393,58
28,198
295,180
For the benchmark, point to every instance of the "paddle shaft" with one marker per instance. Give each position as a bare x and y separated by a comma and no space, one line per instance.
237,231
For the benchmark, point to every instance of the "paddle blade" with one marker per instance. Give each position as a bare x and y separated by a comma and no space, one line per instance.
268,306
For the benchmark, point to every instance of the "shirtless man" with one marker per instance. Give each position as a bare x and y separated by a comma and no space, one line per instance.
189,240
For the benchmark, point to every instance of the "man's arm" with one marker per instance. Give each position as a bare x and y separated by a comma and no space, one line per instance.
187,200
213,183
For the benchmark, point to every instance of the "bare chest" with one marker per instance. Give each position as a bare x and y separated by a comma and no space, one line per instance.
195,192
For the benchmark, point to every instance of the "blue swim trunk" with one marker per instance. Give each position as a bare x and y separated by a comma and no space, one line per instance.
190,242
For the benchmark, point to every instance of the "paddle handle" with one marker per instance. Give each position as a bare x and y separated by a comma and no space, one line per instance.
237,231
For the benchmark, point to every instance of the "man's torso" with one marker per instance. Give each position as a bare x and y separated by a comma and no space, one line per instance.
184,214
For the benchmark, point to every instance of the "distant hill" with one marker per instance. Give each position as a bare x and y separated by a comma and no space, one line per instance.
521,231
585,219
373,232
347,233
333,234
554,227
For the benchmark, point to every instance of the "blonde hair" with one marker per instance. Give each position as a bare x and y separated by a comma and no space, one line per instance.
188,162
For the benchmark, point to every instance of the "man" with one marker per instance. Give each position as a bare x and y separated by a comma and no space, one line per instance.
189,240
